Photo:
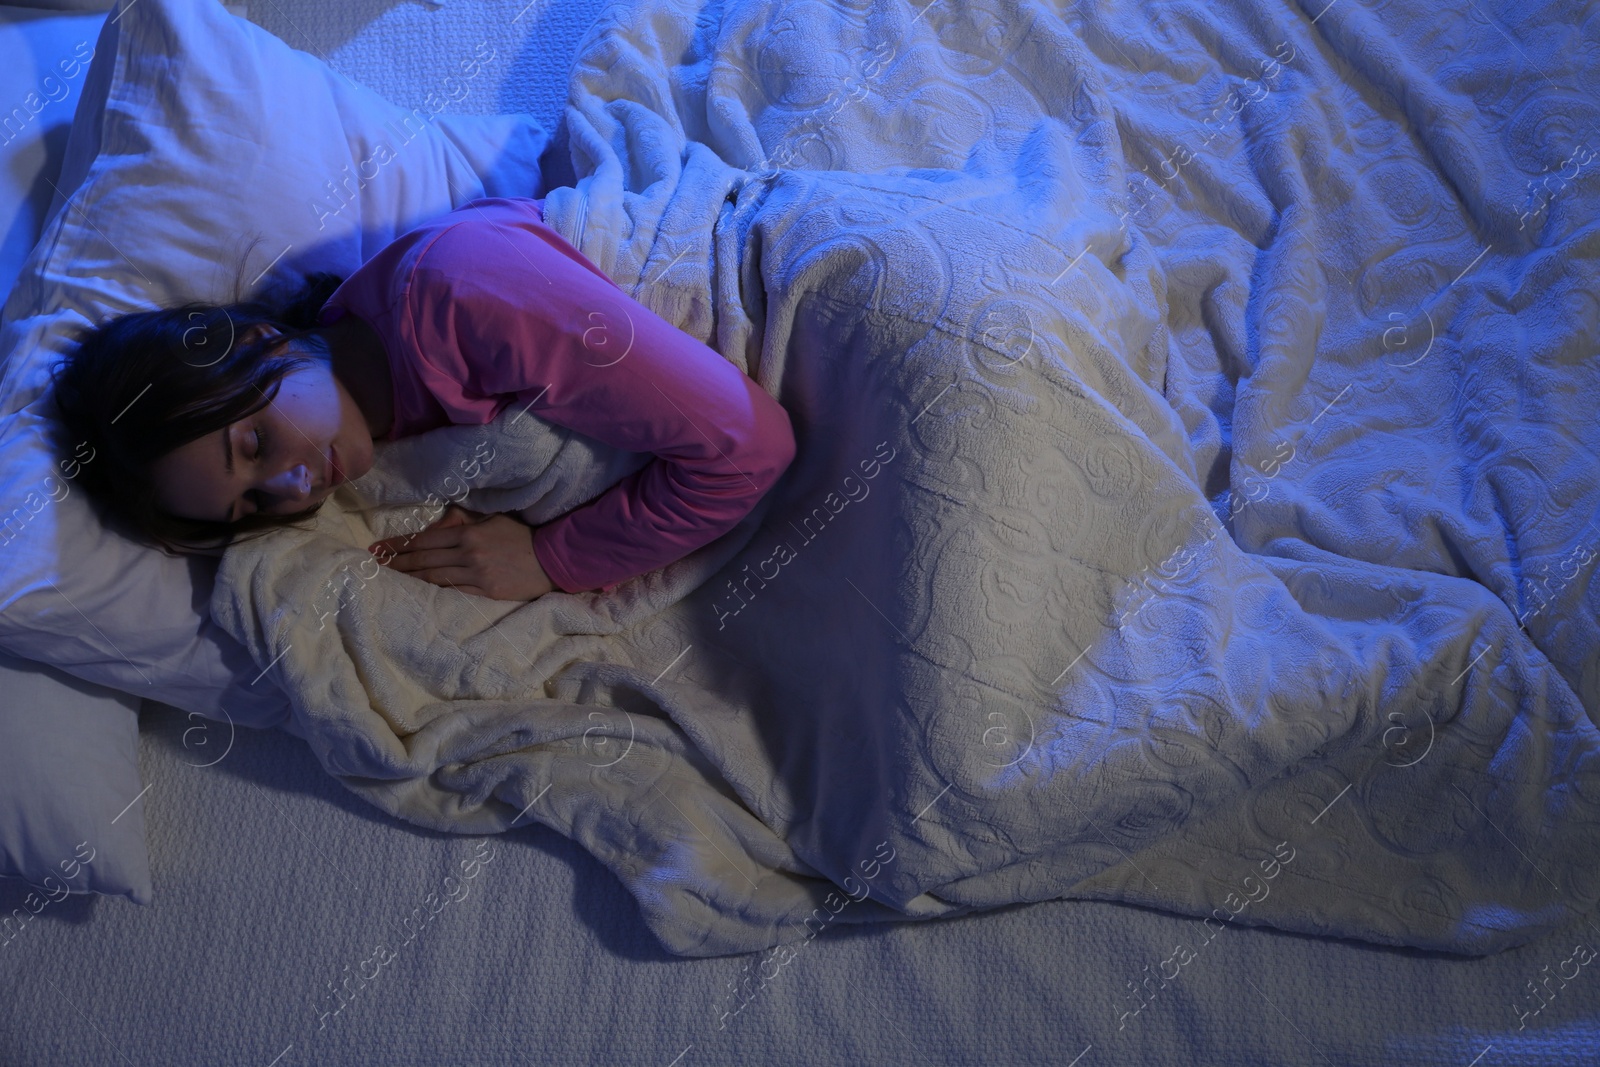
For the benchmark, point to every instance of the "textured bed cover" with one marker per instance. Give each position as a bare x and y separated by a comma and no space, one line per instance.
1189,585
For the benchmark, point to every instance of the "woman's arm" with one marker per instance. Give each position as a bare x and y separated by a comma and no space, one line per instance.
505,312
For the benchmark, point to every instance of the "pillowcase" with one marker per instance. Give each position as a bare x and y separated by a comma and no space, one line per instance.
175,160
240,9
71,817
69,5
47,56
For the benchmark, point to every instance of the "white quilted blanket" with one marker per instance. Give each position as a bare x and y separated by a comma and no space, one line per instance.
1196,496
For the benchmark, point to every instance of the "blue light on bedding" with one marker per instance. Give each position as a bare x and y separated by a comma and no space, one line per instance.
46,54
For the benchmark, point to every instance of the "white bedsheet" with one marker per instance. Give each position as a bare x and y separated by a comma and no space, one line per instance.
1196,575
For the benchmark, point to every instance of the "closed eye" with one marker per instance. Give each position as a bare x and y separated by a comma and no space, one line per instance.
262,501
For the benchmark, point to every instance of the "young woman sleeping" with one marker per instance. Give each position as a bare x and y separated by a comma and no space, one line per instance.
217,420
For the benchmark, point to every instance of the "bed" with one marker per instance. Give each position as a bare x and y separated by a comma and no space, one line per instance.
275,882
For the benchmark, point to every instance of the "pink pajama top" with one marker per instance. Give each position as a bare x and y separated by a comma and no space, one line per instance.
487,306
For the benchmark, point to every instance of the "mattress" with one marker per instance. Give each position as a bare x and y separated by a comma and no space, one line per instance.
275,887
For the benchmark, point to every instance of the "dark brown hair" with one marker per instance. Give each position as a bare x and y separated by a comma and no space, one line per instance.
141,384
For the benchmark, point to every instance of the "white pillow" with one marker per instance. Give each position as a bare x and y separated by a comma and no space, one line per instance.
46,58
175,154
69,5
71,814
172,153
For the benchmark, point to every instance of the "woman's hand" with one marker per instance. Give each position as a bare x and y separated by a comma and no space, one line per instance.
490,555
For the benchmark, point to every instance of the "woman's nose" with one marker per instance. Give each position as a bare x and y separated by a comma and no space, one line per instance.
292,484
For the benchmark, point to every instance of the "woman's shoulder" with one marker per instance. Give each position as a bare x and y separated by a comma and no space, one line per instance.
494,244
489,211
453,234
465,237
522,205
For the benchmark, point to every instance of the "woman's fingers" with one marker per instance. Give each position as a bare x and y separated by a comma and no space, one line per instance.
491,556
436,536
449,578
416,561
454,518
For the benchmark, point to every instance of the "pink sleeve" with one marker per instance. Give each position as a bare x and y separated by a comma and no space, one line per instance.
512,314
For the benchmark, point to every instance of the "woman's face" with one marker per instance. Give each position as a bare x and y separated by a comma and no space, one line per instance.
284,458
